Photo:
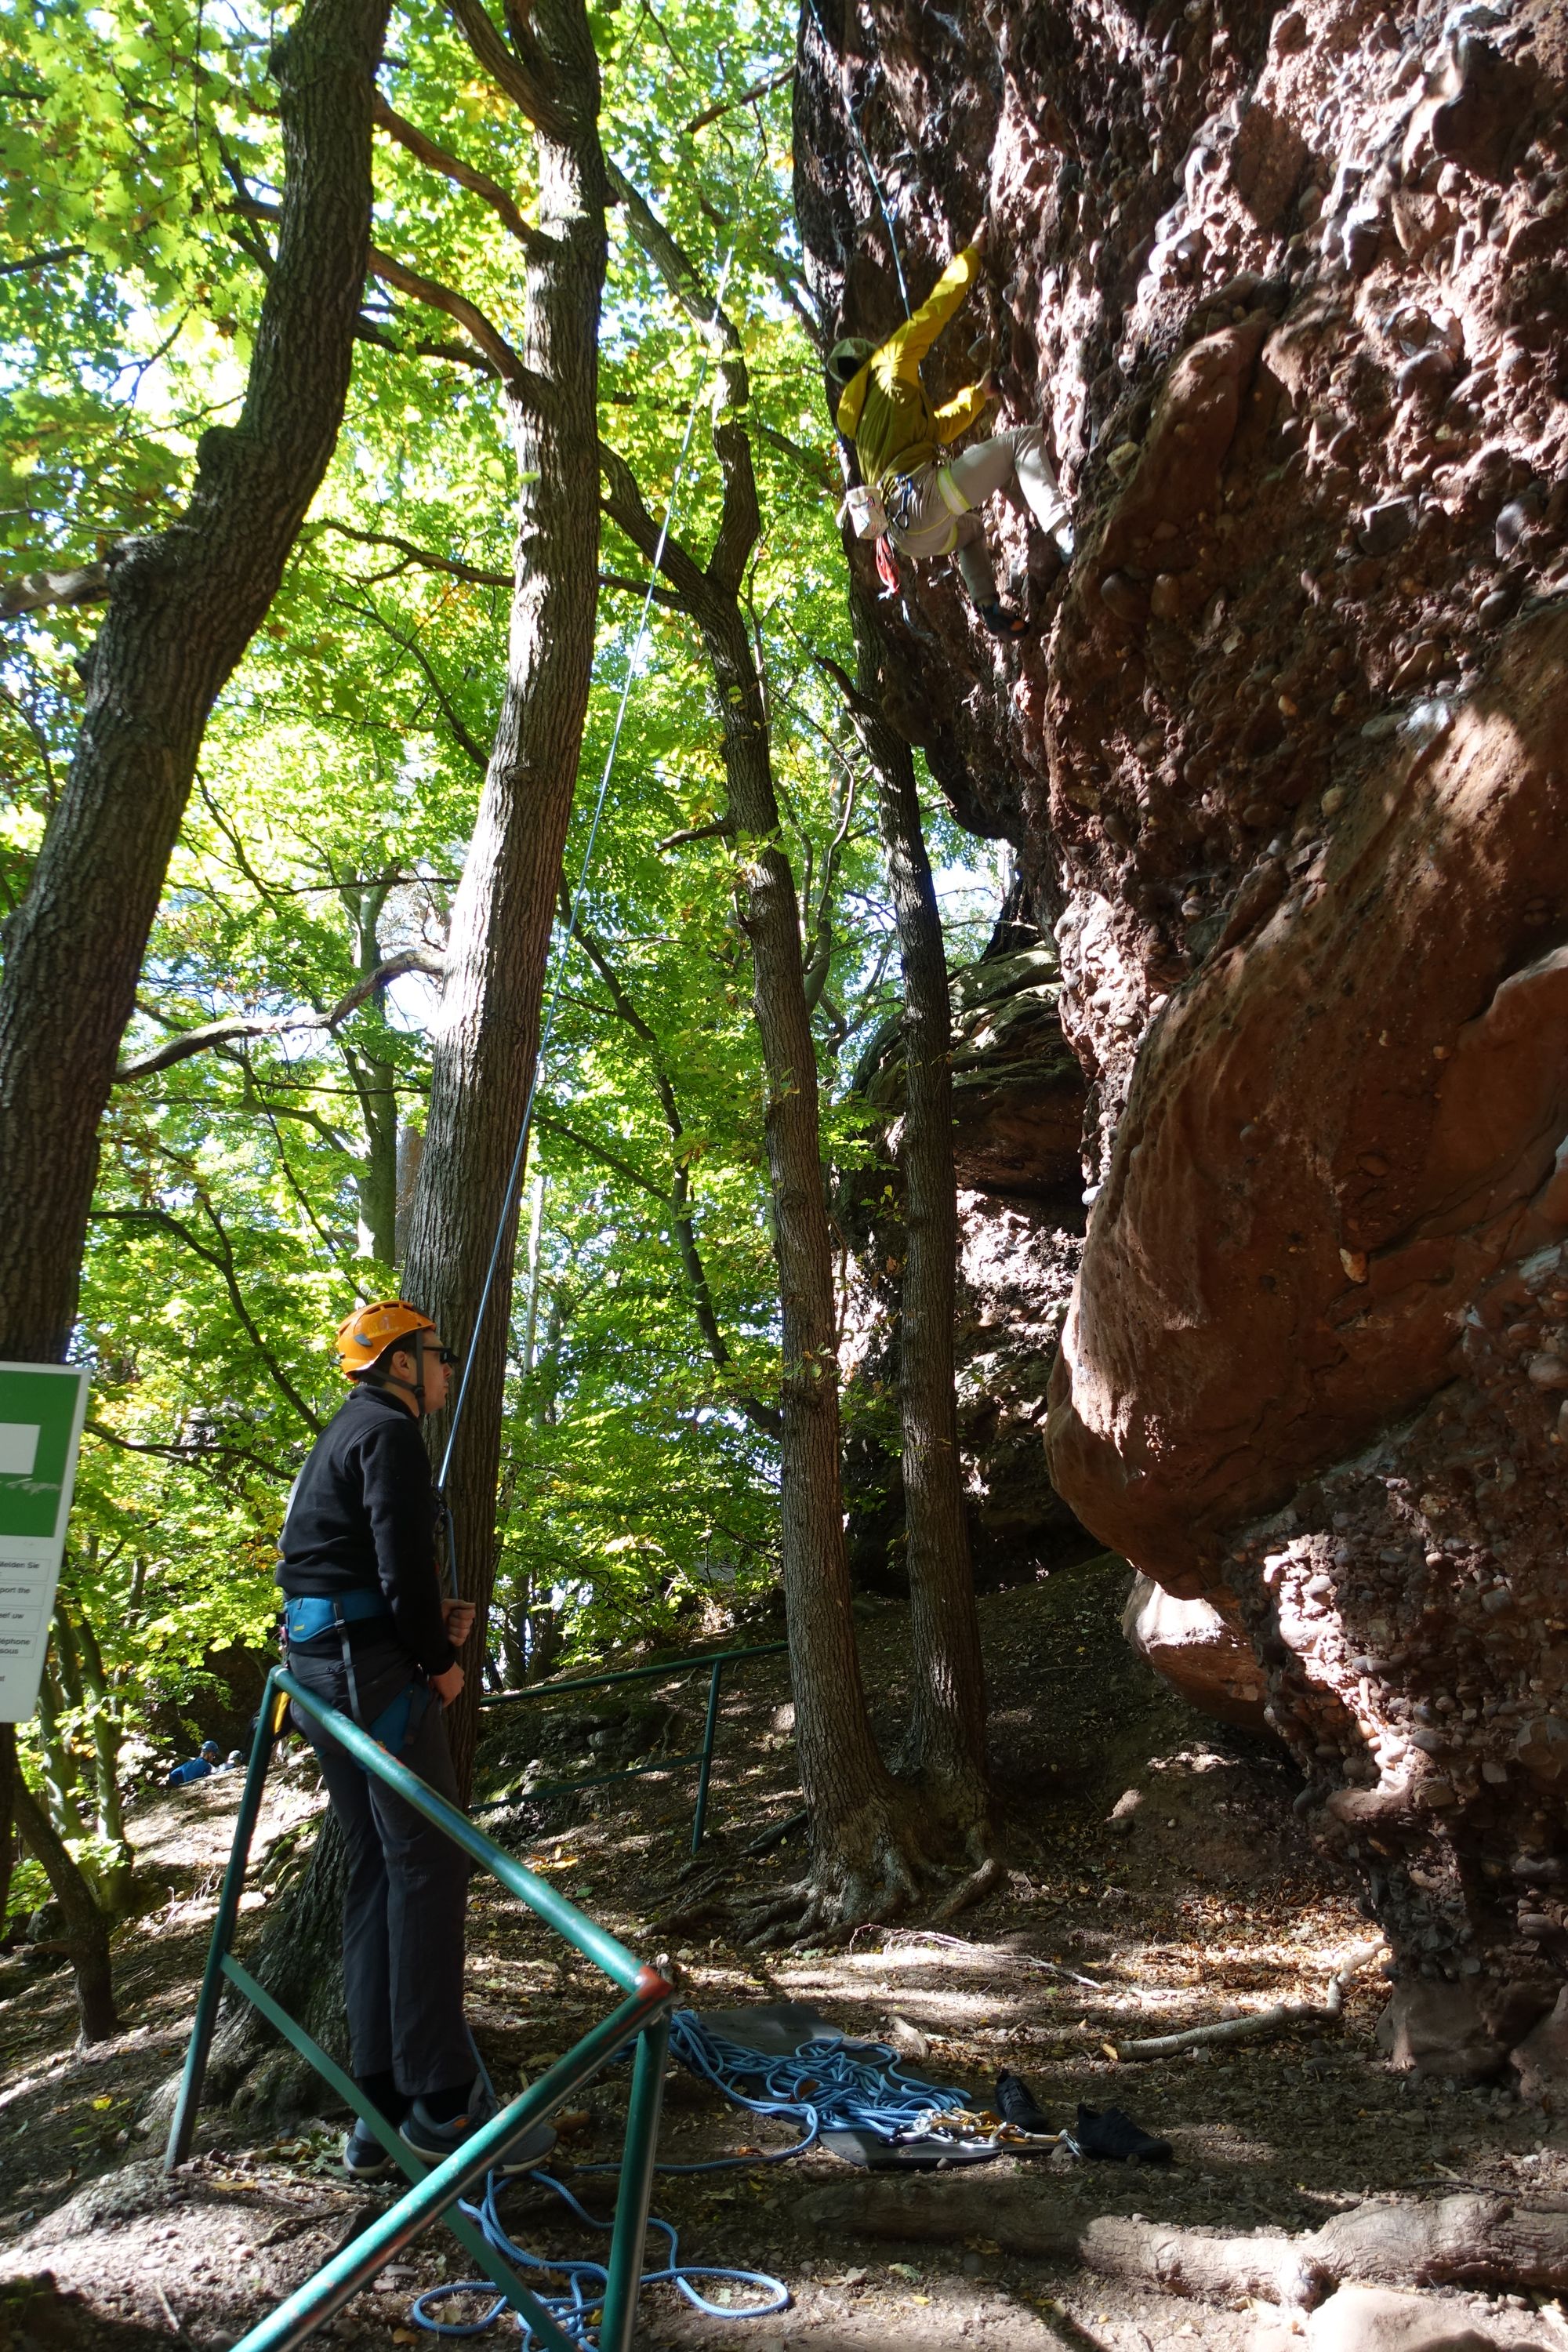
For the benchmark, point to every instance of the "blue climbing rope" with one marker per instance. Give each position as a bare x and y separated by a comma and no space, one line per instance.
826,2084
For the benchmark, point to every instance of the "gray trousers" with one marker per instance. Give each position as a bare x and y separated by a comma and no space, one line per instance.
407,1887
938,518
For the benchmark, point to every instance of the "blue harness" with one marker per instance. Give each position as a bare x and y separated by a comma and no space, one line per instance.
307,1616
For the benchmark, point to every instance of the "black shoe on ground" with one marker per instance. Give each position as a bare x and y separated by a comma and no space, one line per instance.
1015,2106
437,2141
364,2159
1113,2135
1002,621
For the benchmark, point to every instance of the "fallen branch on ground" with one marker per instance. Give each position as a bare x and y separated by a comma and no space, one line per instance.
1259,2025
1471,2240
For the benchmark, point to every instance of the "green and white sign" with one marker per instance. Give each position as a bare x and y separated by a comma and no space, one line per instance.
42,1407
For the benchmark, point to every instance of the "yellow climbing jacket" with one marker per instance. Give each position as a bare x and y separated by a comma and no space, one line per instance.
883,406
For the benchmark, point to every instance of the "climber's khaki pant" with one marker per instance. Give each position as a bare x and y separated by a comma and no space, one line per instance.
934,516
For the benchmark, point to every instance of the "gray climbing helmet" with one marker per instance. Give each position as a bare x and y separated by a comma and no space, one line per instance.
847,358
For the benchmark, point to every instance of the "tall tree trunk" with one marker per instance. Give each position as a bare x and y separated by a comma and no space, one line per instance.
114,1877
87,1927
947,1727
485,1037
865,1844
375,1082
8,1776
183,606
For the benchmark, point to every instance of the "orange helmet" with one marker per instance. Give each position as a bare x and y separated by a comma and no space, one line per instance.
369,1331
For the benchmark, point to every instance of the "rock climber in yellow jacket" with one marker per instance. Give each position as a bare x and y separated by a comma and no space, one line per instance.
930,501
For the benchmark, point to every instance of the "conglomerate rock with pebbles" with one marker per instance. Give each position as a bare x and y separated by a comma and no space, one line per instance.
1285,767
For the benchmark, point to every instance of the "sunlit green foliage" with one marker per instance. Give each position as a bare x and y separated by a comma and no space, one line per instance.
246,1192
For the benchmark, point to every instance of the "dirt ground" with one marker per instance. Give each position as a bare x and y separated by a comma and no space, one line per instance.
1198,1896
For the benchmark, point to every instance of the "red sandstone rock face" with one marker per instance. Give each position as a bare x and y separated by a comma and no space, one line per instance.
1286,770
1207,1659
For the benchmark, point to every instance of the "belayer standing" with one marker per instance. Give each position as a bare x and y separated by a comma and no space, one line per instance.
369,1631
926,504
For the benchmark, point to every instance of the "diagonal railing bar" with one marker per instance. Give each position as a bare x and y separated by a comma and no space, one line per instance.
641,2016
473,2242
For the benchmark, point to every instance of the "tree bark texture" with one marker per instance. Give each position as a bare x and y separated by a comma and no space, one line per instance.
182,607
86,1928
860,1856
485,1036
948,1726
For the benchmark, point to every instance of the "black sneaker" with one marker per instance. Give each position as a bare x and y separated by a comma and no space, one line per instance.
1015,2106
1114,2135
364,2159
1003,620
437,2141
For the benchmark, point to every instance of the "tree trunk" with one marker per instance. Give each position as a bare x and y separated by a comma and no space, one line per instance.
948,1727
87,1927
375,1082
485,1038
8,1778
299,1961
866,1858
113,1878
182,607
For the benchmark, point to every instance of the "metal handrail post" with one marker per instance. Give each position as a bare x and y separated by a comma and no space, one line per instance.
411,2166
699,1816
339,2281
182,2129
624,2277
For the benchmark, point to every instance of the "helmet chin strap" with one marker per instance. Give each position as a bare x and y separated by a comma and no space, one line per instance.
419,1371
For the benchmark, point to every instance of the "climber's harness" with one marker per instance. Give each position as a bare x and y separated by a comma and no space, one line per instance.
309,1620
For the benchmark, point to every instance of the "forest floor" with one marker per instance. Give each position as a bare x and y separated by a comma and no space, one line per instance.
1203,1896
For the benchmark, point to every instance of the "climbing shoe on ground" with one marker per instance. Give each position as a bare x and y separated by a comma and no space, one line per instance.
436,2139
1015,2106
364,2159
1112,2133
1002,621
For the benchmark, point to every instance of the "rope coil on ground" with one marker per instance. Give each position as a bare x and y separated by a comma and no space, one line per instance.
826,2084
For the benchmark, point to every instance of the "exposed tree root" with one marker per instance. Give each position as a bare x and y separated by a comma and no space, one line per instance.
881,1876
972,1889
1468,2241
874,1869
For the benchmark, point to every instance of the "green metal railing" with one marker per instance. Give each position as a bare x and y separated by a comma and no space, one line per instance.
716,1660
642,2015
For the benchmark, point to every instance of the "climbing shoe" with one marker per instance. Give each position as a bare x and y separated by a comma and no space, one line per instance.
1002,621
436,2139
364,2159
1015,2106
1112,2133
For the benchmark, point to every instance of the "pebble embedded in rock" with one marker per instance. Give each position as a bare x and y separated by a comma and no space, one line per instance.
1385,528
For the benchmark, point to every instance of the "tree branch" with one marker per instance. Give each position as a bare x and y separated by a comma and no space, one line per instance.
425,556
762,88
222,1261
29,261
223,1033
88,584
222,1451
520,381
452,167
719,828
469,744
519,77
666,596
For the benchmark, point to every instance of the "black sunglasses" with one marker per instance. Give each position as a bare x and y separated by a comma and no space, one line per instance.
442,1355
